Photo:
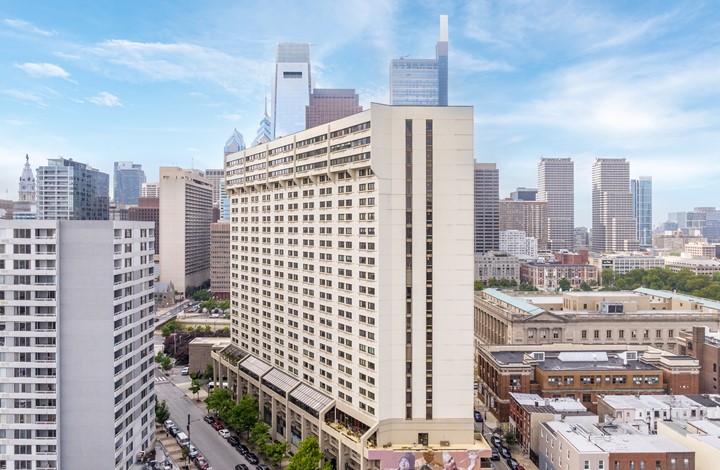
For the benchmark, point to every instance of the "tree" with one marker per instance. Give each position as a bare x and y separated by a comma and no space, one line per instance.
260,434
220,400
164,361
275,451
479,285
564,285
244,414
510,438
585,286
185,455
162,413
195,388
208,371
308,456
201,295
608,277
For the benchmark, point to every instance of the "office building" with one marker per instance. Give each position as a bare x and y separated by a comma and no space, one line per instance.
487,207
702,250
623,264
516,243
583,372
215,176
128,179
235,143
150,190
641,190
497,265
422,82
147,210
614,227
524,194
264,132
118,211
527,216
547,276
220,259
186,213
556,187
72,190
291,89
696,265
77,373
331,104
582,238
339,277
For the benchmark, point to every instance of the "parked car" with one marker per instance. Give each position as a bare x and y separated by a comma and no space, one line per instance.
496,441
185,371
262,467
520,467
478,417
233,441
495,454
241,466
513,464
242,448
252,458
224,433
201,462
217,425
505,452
193,452
209,419
169,423
174,431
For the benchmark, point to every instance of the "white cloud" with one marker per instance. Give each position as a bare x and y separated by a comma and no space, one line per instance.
43,70
24,96
106,99
27,27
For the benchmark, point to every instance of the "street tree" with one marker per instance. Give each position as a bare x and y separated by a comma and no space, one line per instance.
275,451
479,285
585,287
195,388
260,434
245,414
564,285
308,456
162,413
220,400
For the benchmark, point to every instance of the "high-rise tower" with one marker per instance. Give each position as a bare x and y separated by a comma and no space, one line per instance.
614,227
291,90
128,179
641,190
487,207
73,191
77,326
422,82
556,186
331,104
351,284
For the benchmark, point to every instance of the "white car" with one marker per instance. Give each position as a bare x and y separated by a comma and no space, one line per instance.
224,433
185,371
169,423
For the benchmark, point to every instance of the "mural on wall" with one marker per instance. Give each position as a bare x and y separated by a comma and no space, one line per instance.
429,459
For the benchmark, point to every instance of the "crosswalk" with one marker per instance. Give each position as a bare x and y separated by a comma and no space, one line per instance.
161,379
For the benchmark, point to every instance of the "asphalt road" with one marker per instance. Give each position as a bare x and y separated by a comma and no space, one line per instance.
218,452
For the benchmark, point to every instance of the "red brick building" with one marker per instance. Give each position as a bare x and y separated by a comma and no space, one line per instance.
703,344
580,372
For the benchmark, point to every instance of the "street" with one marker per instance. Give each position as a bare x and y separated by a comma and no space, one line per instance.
219,453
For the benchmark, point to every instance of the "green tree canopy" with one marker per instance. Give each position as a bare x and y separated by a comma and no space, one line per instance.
308,456
564,285
195,387
162,413
220,400
275,451
479,285
260,434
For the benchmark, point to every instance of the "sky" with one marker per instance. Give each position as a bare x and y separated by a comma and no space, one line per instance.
166,82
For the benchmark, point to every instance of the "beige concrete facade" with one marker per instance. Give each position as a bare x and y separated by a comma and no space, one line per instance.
527,216
220,259
349,238
651,318
185,218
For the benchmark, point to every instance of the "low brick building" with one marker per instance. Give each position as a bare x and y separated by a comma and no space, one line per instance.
703,344
580,372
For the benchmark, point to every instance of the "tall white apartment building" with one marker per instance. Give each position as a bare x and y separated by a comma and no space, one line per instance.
76,343
351,284
185,218
150,190
614,227
516,243
556,186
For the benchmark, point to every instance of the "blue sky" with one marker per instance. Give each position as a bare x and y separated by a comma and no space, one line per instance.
165,82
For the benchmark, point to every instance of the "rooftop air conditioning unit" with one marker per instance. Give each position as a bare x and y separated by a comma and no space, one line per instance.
538,356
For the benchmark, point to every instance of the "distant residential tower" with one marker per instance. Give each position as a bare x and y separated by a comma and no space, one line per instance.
556,186
641,190
614,227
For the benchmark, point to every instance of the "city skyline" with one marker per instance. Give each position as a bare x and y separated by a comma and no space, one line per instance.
583,81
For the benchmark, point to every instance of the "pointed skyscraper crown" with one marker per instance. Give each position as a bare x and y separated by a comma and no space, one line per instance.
235,143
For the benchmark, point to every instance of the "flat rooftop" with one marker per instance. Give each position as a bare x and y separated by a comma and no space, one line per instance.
574,360
536,404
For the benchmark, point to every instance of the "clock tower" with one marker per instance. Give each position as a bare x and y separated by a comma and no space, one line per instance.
26,185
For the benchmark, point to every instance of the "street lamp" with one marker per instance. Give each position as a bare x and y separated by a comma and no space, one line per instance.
188,424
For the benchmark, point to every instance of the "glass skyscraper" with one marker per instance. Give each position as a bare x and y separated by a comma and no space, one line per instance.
422,82
641,189
291,90
72,190
128,178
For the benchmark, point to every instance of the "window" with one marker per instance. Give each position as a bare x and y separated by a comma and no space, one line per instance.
583,334
587,465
